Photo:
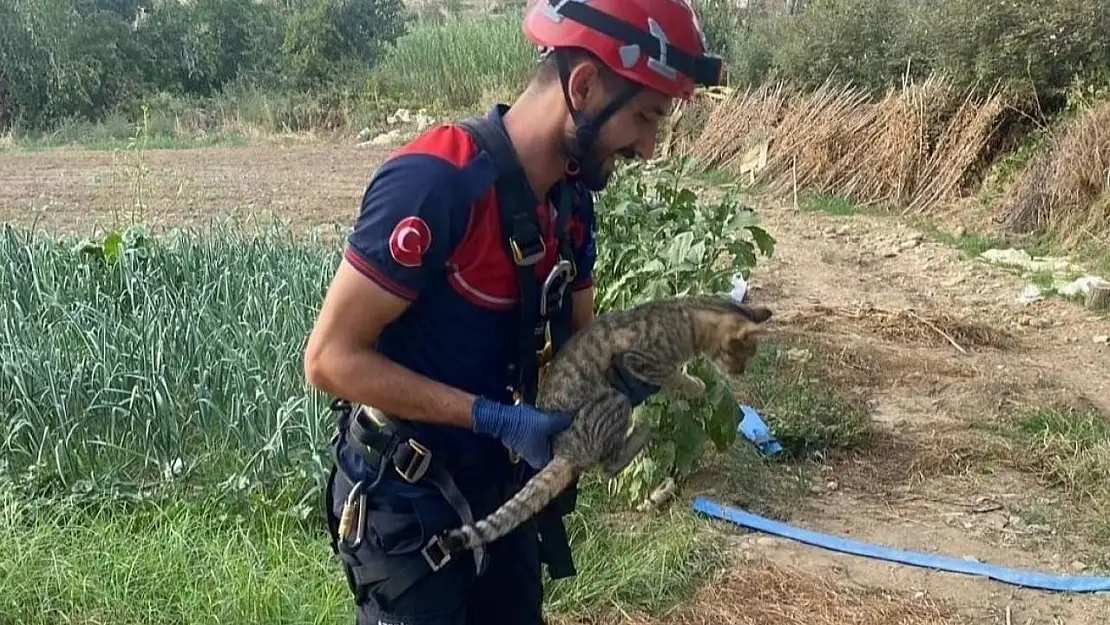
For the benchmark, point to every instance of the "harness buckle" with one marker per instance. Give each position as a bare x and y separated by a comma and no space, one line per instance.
421,458
444,555
531,258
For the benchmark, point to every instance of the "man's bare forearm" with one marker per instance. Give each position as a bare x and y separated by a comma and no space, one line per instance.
367,377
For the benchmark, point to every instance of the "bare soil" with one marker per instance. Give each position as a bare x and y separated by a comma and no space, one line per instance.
934,342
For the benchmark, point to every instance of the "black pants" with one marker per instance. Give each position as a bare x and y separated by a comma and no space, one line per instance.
510,592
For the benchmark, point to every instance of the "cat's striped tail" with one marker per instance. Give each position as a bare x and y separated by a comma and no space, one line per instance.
536,493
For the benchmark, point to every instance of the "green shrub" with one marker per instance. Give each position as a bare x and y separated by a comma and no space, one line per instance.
658,240
1038,46
457,64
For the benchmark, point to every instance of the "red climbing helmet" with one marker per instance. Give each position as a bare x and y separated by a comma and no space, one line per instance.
658,44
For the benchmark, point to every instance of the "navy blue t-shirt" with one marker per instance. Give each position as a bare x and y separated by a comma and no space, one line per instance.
429,231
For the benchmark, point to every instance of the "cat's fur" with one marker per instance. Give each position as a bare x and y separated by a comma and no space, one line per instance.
657,338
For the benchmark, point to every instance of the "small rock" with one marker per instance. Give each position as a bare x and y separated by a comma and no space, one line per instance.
1082,286
908,245
833,485
918,595
1078,565
1031,293
843,231
392,137
798,354
1102,339
891,253
959,232
766,541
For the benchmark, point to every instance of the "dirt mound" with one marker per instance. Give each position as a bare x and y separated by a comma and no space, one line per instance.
908,327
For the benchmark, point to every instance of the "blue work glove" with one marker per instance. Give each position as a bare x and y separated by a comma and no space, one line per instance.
520,427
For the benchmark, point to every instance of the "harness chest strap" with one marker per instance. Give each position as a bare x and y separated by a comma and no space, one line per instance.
545,317
548,310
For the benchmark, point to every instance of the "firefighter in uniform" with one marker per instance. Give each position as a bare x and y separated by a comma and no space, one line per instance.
456,283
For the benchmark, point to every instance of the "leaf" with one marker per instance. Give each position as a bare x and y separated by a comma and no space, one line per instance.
680,247
665,455
764,241
742,251
113,245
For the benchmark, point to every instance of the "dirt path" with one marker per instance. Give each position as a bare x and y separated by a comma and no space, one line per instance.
849,282
888,318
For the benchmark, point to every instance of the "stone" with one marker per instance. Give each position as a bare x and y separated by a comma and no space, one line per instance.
1029,294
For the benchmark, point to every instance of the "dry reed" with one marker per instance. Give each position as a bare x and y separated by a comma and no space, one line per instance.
914,148
1066,189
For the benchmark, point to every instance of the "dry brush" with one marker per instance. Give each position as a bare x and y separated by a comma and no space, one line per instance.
915,148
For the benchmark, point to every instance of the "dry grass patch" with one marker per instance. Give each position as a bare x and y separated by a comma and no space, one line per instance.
1066,188
908,327
916,148
854,362
777,595
891,462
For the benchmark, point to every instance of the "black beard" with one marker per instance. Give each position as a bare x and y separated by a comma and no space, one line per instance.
591,168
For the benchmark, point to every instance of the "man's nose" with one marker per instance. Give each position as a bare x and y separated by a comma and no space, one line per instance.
645,147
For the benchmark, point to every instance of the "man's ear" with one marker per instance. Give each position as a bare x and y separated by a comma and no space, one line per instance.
584,85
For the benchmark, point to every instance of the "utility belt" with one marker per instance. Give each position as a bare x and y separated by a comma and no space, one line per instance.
391,445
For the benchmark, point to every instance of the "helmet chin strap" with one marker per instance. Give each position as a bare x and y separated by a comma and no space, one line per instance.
586,129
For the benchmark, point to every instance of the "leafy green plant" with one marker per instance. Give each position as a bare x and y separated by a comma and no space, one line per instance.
658,240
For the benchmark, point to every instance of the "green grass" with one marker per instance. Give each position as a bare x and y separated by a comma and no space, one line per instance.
187,351
806,412
1068,449
829,204
126,359
192,560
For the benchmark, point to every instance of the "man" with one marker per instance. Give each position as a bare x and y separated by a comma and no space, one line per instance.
422,324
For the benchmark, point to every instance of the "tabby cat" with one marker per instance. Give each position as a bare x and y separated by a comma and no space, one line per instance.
648,344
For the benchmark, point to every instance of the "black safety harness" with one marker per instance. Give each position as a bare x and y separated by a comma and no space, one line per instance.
545,325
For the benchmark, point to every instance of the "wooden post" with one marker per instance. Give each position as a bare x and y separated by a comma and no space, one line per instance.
1099,296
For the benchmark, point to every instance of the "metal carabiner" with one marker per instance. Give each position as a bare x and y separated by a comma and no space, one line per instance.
561,272
346,518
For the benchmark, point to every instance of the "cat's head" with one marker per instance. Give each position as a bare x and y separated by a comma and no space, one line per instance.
732,335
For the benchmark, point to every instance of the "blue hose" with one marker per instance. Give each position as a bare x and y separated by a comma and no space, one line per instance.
1061,583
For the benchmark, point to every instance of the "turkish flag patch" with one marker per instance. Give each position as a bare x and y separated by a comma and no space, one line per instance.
410,240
